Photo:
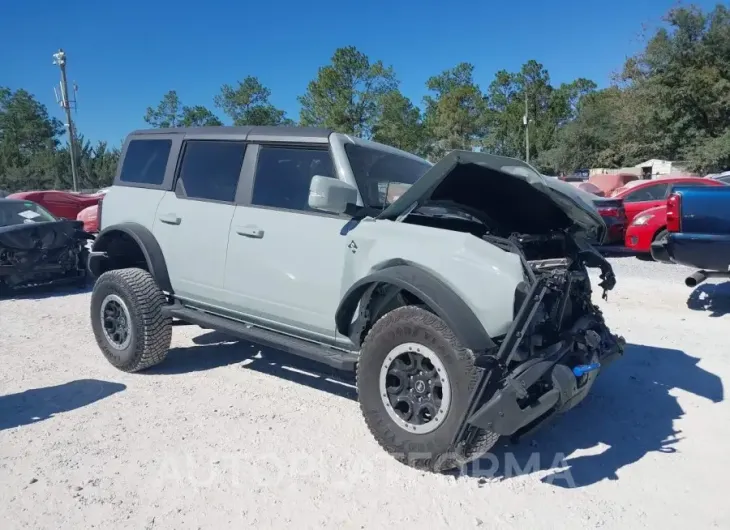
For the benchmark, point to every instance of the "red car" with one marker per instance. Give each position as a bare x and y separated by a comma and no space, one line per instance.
63,204
646,209
651,193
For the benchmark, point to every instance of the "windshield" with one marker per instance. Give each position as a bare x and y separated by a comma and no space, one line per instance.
22,212
383,176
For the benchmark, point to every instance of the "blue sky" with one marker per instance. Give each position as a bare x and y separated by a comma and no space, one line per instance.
125,55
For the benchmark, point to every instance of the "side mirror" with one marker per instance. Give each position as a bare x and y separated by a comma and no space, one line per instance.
330,194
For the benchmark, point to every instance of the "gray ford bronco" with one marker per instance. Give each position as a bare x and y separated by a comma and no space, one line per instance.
458,292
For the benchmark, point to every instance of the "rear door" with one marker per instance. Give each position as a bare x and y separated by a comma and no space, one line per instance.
644,197
286,261
193,220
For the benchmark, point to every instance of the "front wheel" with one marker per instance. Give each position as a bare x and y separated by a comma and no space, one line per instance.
414,382
130,327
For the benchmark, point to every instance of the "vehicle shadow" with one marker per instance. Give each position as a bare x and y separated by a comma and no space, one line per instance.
215,349
38,404
616,251
628,414
711,297
43,292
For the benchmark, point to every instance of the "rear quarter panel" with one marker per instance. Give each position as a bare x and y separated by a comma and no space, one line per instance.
705,209
704,240
484,276
124,204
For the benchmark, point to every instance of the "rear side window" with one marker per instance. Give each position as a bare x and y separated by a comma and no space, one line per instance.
648,193
145,162
283,176
210,169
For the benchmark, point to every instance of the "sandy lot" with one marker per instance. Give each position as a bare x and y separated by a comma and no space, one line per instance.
227,435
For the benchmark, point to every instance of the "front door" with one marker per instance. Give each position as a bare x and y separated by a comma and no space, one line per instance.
193,220
643,198
285,261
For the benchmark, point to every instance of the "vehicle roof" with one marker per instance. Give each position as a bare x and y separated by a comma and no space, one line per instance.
243,132
271,133
4,200
668,180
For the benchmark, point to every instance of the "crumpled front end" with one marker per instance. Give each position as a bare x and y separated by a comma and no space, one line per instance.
42,253
555,349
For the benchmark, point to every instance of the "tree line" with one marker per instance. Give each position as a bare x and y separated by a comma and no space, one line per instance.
669,101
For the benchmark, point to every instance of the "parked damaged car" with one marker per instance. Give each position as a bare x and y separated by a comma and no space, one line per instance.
459,292
38,249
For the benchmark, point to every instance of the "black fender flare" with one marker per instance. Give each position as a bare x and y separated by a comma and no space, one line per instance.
148,245
432,291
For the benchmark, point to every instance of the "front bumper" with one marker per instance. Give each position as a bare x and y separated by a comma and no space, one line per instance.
515,401
638,239
503,414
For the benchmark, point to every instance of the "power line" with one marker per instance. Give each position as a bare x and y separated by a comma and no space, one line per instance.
59,58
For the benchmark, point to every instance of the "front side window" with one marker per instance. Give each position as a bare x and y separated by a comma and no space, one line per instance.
145,162
283,176
376,169
210,169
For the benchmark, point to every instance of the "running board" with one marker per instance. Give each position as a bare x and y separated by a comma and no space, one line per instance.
338,359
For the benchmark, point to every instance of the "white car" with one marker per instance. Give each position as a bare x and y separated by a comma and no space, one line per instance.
464,305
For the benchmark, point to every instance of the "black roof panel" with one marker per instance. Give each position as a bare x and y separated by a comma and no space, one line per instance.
260,133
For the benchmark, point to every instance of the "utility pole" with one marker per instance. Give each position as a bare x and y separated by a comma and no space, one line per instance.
59,58
526,121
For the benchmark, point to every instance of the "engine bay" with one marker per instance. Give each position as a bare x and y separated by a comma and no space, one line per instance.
558,342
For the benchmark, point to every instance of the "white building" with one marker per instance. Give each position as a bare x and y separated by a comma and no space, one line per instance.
656,168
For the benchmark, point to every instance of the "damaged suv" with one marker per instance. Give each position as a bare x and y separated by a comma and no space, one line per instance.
458,292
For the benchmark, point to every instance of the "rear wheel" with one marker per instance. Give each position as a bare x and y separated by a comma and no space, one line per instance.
126,316
414,383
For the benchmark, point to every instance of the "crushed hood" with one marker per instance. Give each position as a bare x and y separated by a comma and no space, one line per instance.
40,236
508,191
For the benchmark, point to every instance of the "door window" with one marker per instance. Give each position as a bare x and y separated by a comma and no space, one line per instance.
283,176
145,162
210,170
655,192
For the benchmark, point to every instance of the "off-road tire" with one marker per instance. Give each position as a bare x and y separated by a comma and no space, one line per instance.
431,451
150,329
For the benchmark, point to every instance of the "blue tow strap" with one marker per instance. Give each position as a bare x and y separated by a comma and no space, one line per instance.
583,369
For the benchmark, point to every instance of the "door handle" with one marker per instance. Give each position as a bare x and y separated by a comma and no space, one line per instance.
170,218
250,231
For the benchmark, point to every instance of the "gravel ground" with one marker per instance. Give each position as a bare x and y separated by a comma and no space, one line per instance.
225,434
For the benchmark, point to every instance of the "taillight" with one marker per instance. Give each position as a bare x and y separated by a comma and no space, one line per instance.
610,212
674,213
